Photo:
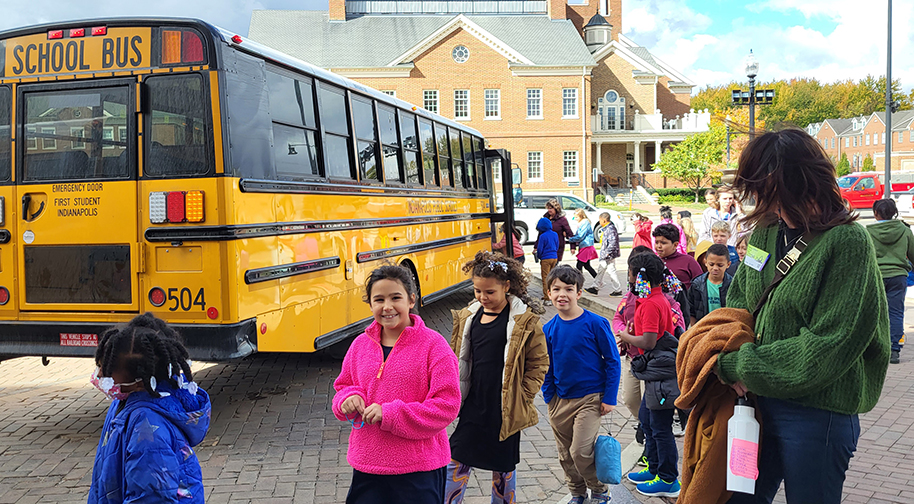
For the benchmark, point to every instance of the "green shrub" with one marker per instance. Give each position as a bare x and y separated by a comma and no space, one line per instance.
600,198
677,198
678,191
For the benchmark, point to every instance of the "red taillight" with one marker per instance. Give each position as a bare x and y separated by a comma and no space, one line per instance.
55,34
191,48
157,296
174,204
263,327
99,30
4,296
77,32
236,39
212,313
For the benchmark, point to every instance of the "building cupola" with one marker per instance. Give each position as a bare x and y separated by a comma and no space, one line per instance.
597,33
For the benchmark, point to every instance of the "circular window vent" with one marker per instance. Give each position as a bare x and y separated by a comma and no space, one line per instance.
460,54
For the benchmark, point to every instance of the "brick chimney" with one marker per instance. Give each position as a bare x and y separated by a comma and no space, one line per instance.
337,10
556,9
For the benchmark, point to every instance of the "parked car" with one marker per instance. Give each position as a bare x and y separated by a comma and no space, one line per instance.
904,200
532,206
863,189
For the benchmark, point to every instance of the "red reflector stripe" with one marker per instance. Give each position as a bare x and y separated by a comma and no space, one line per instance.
174,206
55,34
77,32
99,30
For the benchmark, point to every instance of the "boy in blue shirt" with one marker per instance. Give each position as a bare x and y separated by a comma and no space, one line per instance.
546,249
581,383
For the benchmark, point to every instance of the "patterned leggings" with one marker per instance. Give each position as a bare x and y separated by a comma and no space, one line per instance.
458,475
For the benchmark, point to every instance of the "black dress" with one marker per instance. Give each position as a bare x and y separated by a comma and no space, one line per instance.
475,441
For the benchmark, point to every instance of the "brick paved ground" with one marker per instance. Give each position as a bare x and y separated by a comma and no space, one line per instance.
273,438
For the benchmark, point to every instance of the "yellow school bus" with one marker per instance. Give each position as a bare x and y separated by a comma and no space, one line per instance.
172,167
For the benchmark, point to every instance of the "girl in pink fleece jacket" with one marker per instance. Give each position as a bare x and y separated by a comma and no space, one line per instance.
398,448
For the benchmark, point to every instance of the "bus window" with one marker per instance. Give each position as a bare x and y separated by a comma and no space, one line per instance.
410,144
460,179
294,129
387,125
428,152
73,134
444,158
479,149
468,161
178,131
336,132
5,129
363,116
247,107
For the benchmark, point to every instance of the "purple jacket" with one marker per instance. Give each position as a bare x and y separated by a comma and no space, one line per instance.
684,267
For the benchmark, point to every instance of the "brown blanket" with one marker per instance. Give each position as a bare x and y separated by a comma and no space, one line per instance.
704,458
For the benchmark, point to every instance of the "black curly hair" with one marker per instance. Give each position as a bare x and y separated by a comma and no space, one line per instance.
650,266
666,212
396,273
488,265
145,348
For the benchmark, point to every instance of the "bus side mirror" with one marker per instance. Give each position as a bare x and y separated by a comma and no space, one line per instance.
515,176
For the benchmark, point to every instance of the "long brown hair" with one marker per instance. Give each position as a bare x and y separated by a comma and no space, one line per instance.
788,170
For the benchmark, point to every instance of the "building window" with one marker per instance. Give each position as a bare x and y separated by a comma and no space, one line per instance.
534,166
855,141
460,54
570,171
867,138
847,142
31,138
75,135
493,103
461,103
611,111
430,100
390,92
570,103
833,142
900,136
883,138
51,143
534,104
107,138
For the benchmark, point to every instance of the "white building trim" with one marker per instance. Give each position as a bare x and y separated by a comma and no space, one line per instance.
461,22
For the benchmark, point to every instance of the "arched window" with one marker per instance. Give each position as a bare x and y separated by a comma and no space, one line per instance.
611,108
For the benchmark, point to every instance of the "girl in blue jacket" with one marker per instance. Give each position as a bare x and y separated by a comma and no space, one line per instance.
157,415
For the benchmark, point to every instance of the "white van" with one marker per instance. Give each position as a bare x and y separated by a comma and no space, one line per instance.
530,209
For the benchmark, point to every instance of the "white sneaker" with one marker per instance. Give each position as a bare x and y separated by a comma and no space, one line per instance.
678,431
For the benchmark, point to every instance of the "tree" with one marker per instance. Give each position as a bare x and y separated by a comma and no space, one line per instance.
868,163
696,160
844,166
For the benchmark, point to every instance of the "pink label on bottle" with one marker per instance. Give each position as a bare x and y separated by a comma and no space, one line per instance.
744,458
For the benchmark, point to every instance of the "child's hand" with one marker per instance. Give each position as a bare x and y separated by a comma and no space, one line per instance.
630,328
353,403
606,408
372,414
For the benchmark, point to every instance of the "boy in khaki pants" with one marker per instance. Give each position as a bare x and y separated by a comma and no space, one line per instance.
581,384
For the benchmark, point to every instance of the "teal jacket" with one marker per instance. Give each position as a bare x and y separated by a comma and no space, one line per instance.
822,339
894,247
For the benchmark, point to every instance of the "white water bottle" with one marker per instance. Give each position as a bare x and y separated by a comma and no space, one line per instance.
742,448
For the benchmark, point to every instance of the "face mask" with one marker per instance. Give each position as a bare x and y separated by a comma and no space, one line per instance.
107,386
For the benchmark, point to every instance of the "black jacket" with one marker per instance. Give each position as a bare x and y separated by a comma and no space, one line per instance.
657,368
698,295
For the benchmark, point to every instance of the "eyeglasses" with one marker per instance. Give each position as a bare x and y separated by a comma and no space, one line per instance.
352,421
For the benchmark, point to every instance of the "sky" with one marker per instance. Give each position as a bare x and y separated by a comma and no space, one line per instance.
707,40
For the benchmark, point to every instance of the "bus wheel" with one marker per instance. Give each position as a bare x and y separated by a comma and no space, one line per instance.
337,351
524,234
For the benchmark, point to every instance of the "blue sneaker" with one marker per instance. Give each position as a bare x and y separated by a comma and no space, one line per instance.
659,488
600,498
642,476
577,500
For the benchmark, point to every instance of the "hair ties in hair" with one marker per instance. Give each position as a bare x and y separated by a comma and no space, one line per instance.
152,382
500,264
643,270
642,286
672,283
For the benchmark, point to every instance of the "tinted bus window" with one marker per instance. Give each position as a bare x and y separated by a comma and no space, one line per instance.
444,158
336,132
460,179
248,109
479,149
468,160
363,116
387,125
294,131
428,152
78,134
410,142
5,130
177,126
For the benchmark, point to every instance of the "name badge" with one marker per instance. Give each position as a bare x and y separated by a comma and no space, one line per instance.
756,258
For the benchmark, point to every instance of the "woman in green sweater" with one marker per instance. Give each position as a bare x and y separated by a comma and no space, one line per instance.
822,338
894,253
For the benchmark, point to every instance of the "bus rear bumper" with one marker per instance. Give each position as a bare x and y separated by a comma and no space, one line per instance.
205,342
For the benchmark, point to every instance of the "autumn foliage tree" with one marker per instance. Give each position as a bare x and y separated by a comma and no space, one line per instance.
697,160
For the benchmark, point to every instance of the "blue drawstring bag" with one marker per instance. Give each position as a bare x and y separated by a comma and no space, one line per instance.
608,459
911,279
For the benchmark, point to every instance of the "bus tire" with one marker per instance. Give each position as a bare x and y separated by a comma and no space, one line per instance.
524,234
337,351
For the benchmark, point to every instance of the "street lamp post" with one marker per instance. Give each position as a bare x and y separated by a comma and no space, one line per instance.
751,72
728,140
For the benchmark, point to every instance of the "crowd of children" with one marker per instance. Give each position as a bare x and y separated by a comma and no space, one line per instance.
401,384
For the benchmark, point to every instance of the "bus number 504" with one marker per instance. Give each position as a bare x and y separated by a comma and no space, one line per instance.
185,300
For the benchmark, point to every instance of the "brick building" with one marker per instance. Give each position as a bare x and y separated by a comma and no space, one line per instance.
579,106
863,136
